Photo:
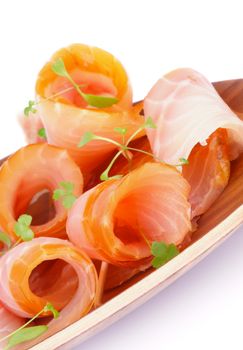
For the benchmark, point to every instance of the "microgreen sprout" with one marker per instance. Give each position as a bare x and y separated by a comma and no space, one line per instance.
32,104
123,147
149,123
65,193
42,133
87,137
105,175
184,161
50,307
162,253
30,108
58,67
22,228
25,333
122,132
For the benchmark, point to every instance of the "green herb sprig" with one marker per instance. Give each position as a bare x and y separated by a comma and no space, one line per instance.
162,253
59,69
30,107
42,133
65,194
22,228
25,333
183,161
123,147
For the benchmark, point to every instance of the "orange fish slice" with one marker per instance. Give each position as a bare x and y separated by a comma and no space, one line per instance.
208,171
194,123
115,221
48,270
29,172
67,117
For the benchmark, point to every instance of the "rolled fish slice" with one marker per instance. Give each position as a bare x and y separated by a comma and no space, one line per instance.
194,123
30,171
67,117
47,270
115,220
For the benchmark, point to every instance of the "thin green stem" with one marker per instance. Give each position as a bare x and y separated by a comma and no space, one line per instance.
133,135
152,155
76,86
58,94
24,325
112,162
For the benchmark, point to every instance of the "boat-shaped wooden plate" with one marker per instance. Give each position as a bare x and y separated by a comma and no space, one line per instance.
223,218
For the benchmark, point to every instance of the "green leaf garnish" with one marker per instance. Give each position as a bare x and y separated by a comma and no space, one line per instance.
68,186
4,238
25,219
183,161
149,123
105,177
68,201
30,108
24,335
87,137
158,248
65,193
42,133
22,228
50,307
162,253
59,68
99,101
121,131
123,147
58,194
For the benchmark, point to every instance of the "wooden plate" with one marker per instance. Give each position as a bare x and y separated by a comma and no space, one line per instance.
223,218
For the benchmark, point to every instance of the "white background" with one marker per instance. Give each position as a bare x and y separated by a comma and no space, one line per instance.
203,310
